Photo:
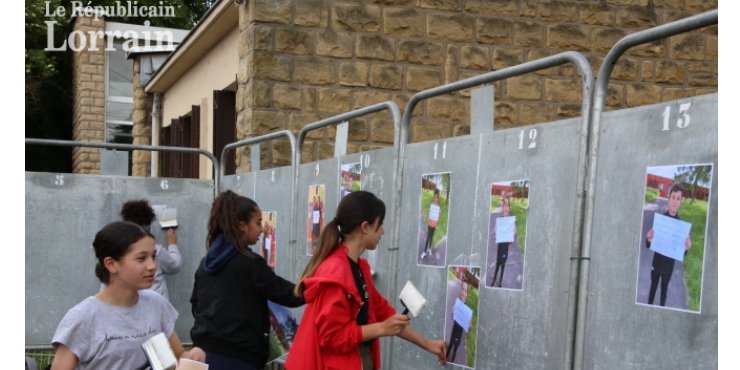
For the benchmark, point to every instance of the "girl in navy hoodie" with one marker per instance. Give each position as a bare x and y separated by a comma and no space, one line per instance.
232,287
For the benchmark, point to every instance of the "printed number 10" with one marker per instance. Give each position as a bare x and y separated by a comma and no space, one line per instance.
683,116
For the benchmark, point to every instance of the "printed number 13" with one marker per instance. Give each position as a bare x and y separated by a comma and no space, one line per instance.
683,116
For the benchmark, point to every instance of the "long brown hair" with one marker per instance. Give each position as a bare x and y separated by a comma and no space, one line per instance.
354,209
228,209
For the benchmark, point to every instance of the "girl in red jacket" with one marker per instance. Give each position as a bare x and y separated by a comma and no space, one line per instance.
344,313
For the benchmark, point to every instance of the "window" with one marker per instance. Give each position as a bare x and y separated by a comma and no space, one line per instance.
119,96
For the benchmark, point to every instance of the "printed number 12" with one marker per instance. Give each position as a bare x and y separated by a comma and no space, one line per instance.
532,139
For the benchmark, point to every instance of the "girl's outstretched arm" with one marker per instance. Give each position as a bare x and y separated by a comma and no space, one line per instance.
64,359
435,346
195,353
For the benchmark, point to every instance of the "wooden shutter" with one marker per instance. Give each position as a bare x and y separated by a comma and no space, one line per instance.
224,125
176,140
195,141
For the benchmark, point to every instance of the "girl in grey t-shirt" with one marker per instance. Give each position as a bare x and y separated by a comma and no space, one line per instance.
106,331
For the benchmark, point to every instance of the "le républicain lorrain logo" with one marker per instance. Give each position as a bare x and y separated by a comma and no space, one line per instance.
80,40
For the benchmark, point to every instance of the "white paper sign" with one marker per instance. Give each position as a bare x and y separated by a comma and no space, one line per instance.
669,236
434,212
316,216
462,315
505,229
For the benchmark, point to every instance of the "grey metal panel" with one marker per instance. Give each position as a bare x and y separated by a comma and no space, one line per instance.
63,213
325,173
525,329
273,193
619,332
516,329
240,183
114,162
377,178
460,157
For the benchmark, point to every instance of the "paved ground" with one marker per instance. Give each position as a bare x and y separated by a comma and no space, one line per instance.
514,270
676,288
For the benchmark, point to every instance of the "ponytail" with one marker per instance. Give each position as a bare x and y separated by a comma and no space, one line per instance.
228,209
354,209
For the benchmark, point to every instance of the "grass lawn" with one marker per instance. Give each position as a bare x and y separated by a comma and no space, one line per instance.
694,212
651,194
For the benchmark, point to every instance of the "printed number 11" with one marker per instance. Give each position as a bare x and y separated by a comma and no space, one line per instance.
683,116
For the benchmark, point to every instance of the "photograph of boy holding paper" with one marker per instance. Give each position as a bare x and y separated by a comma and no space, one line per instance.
674,221
461,321
507,231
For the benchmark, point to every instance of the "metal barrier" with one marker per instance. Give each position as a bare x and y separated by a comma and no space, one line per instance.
587,88
684,25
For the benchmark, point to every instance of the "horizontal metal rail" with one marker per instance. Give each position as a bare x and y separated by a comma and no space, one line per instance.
153,148
389,105
256,140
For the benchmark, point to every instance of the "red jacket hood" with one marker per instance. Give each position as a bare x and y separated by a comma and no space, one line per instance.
334,270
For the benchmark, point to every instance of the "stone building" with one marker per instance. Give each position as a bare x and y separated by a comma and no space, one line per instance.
252,67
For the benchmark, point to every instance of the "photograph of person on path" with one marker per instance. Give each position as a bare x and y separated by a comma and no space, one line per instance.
671,250
461,317
316,196
507,231
434,213
268,239
349,178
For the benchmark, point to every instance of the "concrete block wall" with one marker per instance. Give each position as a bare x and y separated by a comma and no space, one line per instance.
301,61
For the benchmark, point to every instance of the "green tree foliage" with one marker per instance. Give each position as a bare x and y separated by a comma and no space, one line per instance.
48,82
694,176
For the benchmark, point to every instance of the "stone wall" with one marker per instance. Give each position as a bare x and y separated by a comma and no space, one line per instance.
142,119
304,60
89,101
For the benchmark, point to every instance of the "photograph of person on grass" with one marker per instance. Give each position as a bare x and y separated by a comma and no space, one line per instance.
349,178
434,213
461,317
315,221
671,249
507,233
